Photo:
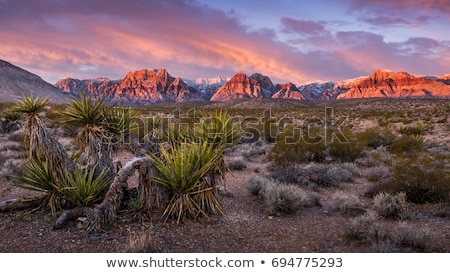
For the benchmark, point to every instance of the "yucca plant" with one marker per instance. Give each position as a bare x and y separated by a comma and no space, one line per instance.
38,175
220,131
40,143
120,122
182,169
94,139
86,186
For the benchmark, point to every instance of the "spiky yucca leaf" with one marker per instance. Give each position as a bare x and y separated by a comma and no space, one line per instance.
94,139
85,112
120,120
85,187
181,170
38,175
217,128
29,105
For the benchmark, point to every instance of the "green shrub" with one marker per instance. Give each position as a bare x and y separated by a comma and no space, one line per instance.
348,149
407,144
421,178
294,146
375,137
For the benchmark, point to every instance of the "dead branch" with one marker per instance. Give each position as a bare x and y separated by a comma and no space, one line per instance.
20,204
105,213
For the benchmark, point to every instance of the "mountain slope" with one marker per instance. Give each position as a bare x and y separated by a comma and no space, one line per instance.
141,87
393,85
240,86
287,91
16,82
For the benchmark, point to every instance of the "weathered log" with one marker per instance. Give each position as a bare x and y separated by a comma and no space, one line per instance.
71,215
105,213
21,203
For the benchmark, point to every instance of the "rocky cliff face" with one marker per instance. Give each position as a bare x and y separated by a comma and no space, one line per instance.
140,87
287,91
16,82
393,85
267,87
240,86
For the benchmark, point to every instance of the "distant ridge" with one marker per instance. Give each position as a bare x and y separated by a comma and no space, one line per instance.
149,86
16,82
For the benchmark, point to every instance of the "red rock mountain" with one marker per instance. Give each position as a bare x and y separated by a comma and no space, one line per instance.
140,87
393,85
240,86
16,82
287,91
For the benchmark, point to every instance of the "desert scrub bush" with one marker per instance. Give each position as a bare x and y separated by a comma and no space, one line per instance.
391,206
295,146
421,178
407,144
325,175
347,149
346,203
420,238
236,163
375,137
252,150
289,174
283,198
255,184
364,228
377,174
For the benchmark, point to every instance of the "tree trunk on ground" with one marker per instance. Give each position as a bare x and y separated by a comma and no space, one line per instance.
20,204
104,214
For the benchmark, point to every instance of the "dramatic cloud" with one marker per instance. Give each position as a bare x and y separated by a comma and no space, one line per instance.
302,26
58,39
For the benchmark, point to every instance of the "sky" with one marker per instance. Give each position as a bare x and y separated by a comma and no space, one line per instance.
299,41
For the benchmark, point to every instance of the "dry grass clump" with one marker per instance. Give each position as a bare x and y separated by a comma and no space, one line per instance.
139,242
391,206
281,198
325,175
346,203
377,174
419,238
236,163
364,228
256,184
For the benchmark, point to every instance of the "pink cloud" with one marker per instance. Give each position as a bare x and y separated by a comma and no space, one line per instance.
113,37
